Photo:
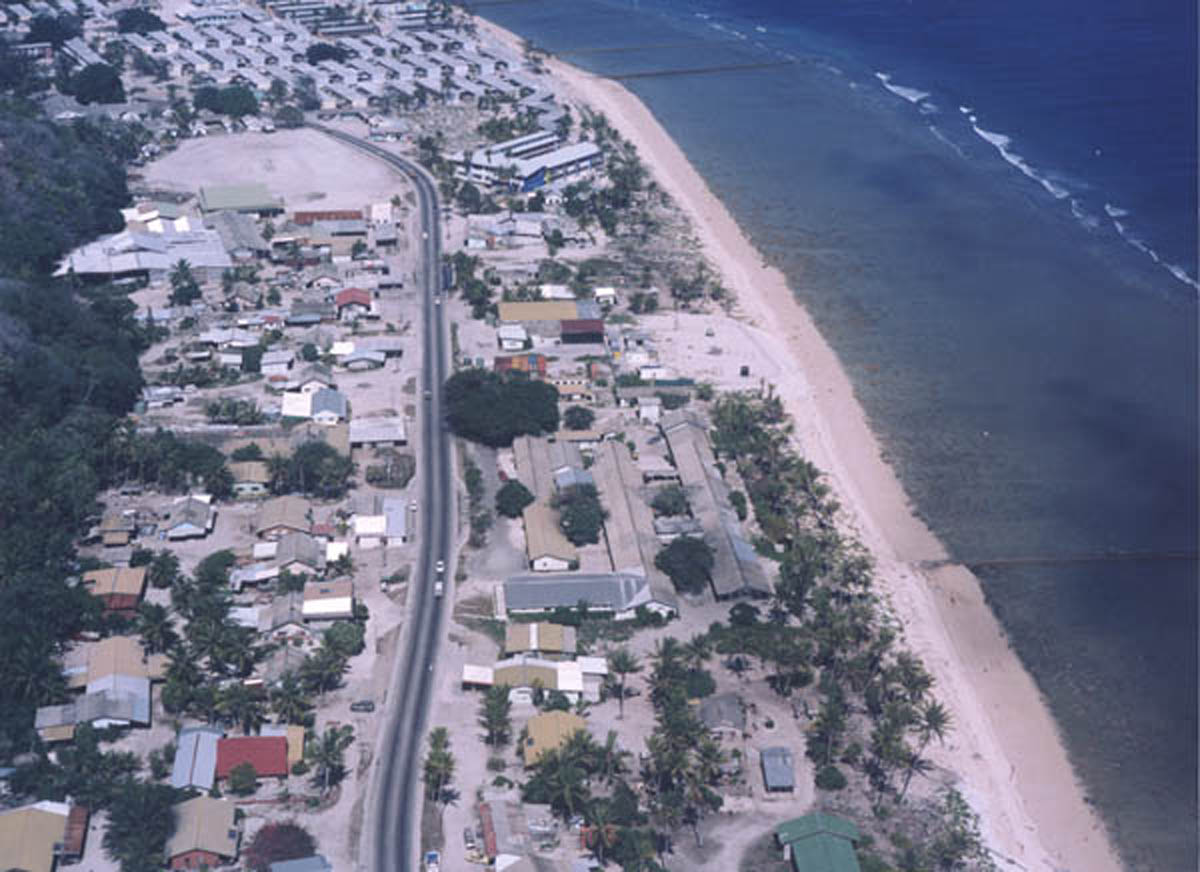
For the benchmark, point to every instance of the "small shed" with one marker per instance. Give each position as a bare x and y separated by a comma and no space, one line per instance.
819,842
779,770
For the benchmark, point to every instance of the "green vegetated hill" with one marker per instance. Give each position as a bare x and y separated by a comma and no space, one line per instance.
68,374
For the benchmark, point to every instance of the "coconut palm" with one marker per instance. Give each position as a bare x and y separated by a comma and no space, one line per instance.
156,627
322,670
327,755
494,715
439,766
289,702
242,706
623,663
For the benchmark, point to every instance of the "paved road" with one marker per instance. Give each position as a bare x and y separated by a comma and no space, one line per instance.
394,810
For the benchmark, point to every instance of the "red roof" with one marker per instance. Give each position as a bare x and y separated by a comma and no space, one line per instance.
353,295
583,325
306,218
267,754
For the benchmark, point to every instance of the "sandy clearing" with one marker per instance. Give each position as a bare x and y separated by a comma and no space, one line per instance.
1006,748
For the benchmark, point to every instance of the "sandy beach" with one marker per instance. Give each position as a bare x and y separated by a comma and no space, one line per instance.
1005,747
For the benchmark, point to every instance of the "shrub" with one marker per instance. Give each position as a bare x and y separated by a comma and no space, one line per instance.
512,498
275,843
578,418
243,779
830,778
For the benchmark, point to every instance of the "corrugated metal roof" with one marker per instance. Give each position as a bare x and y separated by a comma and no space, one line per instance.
196,758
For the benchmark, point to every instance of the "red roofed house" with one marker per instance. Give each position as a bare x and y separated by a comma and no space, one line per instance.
305,219
267,754
353,303
119,589
583,330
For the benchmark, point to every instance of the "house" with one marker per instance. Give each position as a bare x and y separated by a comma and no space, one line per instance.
34,837
118,664
819,842
294,734
56,723
353,303
191,518
283,515
540,638
299,554
360,360
196,758
378,433
205,835
267,754
296,404
649,410
723,715
276,364
582,331
387,526
250,478
778,769
606,296
283,618
117,529
328,600
523,673
512,337
119,589
549,731
532,363
311,379
546,548
329,407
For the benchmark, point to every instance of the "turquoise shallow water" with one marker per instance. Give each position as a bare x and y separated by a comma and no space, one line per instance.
1031,374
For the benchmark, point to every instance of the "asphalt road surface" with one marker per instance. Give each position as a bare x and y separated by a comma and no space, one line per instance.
394,809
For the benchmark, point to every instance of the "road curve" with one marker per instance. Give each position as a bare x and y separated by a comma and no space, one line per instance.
394,809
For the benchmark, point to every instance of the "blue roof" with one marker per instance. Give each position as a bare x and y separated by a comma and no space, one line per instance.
315,863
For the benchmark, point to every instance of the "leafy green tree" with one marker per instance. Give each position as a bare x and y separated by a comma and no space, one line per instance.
277,842
512,498
494,715
235,101
53,29
322,670
469,199
345,638
243,779
310,352
98,83
326,754
247,452
139,21
140,821
688,562
581,515
324,51
578,417
486,407
670,500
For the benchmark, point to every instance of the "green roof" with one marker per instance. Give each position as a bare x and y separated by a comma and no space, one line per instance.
811,824
248,197
820,843
824,853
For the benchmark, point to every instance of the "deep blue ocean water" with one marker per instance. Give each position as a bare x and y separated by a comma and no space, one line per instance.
991,211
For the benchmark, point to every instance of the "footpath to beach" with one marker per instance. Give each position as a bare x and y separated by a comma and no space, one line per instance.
1005,747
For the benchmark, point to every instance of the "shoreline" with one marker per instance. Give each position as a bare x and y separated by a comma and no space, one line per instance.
1005,749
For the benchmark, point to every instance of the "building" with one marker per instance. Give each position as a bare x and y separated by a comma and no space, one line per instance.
582,331
248,198
523,674
778,769
328,600
528,312
532,363
562,163
619,594
195,762
512,337
736,568
329,407
137,254
315,863
540,638
33,838
546,548
299,554
539,461
378,433
56,723
250,478
819,842
206,834
354,303
117,529
723,715
283,515
119,589
549,731
190,518
267,754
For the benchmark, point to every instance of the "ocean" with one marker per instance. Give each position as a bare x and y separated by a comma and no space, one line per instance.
990,209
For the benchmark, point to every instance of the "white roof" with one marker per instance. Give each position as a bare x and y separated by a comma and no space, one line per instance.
473,674
370,525
296,405
593,665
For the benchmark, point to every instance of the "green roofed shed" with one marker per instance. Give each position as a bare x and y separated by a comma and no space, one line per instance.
250,197
819,843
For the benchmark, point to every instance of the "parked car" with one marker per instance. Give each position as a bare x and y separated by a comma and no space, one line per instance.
362,705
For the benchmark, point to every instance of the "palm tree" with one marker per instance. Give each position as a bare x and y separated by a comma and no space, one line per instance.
34,675
289,702
242,706
623,663
933,721
327,755
156,627
439,766
322,670
601,834
569,787
697,650
609,759
494,715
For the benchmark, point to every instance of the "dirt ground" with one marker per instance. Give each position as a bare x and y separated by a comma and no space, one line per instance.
307,169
